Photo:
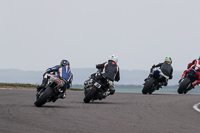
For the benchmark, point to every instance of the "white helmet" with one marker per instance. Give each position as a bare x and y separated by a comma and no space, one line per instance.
113,57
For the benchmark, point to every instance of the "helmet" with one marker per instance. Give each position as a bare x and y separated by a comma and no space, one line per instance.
64,63
168,59
113,57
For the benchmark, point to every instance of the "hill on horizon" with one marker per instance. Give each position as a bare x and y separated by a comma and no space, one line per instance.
128,77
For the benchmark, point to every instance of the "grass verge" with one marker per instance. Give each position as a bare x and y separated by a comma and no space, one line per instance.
27,86
17,85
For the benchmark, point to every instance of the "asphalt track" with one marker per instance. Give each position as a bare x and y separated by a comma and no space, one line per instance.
121,113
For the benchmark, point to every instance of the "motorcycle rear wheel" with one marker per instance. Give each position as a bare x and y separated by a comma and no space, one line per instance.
183,85
43,97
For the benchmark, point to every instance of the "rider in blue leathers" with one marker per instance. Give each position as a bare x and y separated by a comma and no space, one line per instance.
63,72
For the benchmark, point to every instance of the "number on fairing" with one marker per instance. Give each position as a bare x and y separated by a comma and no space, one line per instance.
97,85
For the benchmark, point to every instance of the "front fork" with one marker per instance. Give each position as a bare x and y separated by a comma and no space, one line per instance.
38,94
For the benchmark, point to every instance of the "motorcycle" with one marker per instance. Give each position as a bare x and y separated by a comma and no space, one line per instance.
186,84
96,89
50,92
155,81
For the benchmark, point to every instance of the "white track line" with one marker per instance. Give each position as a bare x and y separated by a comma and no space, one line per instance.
196,107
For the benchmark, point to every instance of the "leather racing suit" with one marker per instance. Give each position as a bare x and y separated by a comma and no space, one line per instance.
61,72
110,70
195,64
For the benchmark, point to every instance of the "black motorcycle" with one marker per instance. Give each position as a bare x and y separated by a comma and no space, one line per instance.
154,82
96,88
50,92
186,84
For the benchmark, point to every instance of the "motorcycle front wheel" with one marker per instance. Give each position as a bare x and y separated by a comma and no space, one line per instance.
183,85
42,99
147,87
90,95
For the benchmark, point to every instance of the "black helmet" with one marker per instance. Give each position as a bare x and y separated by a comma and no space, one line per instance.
64,63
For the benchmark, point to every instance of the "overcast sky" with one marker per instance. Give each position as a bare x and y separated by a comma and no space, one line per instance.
37,34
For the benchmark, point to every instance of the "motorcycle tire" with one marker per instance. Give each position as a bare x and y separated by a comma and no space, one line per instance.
183,85
147,87
90,95
43,97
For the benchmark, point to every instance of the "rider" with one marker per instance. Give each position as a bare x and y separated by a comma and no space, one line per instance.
63,72
195,65
110,71
166,69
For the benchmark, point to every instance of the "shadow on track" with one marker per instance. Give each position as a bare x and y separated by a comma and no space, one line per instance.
103,103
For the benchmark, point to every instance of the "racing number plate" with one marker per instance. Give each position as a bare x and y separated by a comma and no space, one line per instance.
97,85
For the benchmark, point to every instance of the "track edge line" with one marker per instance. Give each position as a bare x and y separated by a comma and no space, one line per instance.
196,107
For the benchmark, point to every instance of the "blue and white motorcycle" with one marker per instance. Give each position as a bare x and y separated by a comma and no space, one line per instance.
50,92
155,81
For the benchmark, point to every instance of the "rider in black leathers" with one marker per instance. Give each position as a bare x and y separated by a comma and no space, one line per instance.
109,70
166,69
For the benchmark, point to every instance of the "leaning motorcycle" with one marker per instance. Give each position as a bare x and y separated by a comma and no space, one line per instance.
96,89
154,82
186,84
50,92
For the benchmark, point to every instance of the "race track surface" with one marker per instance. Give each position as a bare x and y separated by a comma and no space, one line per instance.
121,113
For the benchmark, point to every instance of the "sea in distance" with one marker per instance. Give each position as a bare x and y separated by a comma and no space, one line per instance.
138,89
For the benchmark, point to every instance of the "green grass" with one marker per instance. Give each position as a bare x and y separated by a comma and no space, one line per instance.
17,85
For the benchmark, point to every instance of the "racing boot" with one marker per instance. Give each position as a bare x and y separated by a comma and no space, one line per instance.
62,95
194,84
44,82
112,92
164,83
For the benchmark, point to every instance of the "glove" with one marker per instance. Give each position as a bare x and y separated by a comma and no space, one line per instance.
48,70
188,67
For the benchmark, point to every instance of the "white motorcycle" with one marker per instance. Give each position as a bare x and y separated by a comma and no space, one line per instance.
155,82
